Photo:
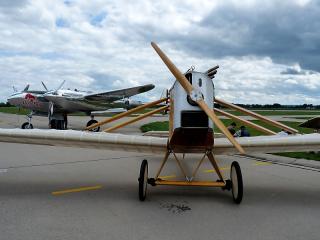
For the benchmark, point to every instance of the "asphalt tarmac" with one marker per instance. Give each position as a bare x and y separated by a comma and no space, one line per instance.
70,193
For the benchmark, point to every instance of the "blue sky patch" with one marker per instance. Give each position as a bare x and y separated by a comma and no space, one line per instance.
60,22
67,2
97,19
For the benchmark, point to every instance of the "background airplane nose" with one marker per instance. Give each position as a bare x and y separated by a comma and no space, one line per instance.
9,100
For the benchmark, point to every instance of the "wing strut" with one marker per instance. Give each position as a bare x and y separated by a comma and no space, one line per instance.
256,115
127,113
245,122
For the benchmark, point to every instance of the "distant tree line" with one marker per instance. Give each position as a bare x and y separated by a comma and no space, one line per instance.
2,104
276,106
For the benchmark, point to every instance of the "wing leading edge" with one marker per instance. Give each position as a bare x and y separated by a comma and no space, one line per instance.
119,94
132,143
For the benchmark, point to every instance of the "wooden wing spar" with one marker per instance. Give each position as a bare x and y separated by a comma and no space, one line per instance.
131,143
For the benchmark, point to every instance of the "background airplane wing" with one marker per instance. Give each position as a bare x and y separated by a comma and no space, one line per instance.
131,143
119,94
313,123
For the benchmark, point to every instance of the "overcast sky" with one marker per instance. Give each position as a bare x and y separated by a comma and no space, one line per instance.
268,51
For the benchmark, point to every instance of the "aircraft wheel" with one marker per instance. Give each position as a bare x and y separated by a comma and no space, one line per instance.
143,180
27,125
97,129
236,182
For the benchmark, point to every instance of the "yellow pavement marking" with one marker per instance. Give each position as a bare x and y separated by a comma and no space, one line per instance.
212,170
167,177
76,190
257,163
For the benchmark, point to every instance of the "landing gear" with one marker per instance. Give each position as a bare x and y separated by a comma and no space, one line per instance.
28,125
236,182
91,122
143,180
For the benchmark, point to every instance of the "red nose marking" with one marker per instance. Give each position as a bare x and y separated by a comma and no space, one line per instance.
30,97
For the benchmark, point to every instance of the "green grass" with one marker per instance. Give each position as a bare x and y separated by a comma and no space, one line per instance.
301,155
155,126
254,132
14,110
278,112
164,126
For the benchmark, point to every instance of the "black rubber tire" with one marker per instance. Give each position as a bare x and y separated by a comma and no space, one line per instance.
26,125
92,121
143,180
236,182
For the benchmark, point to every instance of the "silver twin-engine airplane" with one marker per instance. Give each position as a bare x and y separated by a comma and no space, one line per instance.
58,103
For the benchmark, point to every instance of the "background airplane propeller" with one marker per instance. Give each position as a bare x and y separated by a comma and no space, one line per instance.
55,91
196,96
45,87
24,90
52,92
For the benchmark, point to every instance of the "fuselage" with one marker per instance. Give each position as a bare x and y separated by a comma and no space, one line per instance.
64,101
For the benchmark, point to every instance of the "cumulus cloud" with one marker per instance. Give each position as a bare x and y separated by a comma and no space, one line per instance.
296,70
267,52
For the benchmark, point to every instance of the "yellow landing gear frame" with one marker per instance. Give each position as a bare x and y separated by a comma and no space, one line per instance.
235,183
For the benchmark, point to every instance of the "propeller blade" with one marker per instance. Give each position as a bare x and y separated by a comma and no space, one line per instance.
197,95
219,124
26,88
45,87
173,69
60,86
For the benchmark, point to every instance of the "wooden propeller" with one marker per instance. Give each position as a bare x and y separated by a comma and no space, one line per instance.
197,97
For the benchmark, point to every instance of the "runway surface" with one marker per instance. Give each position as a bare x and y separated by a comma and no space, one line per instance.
69,193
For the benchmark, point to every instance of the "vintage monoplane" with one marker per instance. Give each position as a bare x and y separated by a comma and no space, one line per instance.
192,118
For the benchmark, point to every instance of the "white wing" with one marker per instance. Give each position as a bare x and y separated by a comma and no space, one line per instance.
131,143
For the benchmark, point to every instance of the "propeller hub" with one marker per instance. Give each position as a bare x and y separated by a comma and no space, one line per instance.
196,95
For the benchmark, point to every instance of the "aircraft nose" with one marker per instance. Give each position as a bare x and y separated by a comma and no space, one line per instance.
12,100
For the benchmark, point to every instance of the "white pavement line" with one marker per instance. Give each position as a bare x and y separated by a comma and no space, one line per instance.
279,163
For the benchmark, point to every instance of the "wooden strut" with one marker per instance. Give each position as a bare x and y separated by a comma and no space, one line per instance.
245,122
220,125
215,165
124,114
256,115
192,183
163,163
197,167
120,125
189,181
180,166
